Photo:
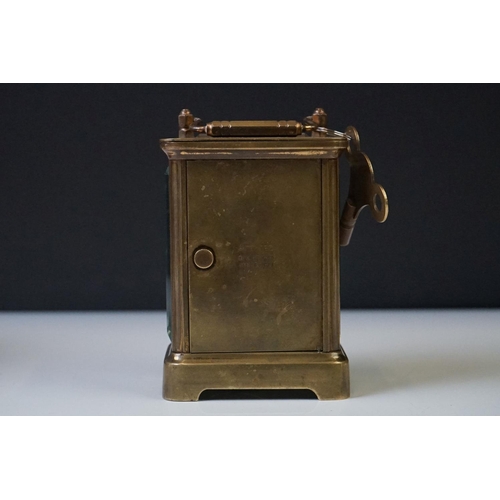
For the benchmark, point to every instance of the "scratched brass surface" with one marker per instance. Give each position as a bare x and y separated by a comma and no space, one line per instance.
262,220
226,148
255,235
186,375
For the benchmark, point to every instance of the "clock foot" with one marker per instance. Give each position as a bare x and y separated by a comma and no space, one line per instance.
187,375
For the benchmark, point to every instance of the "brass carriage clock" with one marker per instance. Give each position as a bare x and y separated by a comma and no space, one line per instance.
253,288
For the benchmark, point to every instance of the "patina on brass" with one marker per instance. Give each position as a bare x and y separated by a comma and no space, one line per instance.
254,254
363,191
203,258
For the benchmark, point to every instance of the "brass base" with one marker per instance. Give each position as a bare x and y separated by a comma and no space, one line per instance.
186,376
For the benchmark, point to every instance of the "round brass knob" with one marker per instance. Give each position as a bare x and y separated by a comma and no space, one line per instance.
204,258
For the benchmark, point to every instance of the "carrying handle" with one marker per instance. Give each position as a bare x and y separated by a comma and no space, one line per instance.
314,124
363,190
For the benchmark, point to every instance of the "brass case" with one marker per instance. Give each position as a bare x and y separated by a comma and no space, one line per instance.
253,299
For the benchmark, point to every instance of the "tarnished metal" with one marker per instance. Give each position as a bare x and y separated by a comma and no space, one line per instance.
315,125
264,291
204,258
255,237
187,375
281,128
363,191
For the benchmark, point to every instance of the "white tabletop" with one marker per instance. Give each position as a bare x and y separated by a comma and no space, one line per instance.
110,363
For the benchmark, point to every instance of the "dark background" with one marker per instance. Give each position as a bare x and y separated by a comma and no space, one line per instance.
82,196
